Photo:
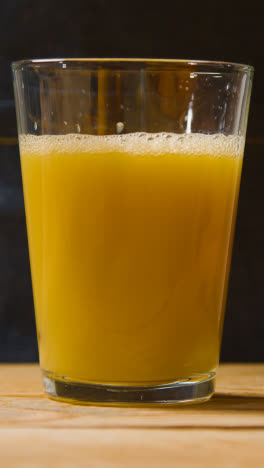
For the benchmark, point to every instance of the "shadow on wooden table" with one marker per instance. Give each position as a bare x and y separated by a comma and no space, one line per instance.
222,402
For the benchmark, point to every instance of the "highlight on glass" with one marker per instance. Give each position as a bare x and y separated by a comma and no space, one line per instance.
131,173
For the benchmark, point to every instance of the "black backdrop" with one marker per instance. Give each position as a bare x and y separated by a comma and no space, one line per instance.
84,28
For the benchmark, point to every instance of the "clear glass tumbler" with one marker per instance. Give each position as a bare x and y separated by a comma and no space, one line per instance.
131,172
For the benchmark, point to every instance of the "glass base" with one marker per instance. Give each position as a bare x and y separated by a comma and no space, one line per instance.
193,390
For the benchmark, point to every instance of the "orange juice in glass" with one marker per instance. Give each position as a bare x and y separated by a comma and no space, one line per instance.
130,202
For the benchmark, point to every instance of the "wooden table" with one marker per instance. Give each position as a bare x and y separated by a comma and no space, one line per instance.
227,431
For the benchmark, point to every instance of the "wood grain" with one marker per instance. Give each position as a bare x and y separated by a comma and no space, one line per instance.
38,432
130,448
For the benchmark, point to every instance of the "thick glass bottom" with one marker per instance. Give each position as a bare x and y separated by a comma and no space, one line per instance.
193,390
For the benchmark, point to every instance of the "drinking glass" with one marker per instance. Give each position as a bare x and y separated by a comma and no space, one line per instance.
131,171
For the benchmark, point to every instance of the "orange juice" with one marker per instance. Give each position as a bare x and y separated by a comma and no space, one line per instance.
130,241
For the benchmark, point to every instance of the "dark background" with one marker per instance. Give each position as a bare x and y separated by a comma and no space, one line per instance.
84,28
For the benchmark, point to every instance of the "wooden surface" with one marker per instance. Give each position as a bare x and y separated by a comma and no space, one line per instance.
227,431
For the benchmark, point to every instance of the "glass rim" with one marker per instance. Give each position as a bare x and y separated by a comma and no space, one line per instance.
214,64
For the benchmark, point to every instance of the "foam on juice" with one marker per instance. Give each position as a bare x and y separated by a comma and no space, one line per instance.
139,144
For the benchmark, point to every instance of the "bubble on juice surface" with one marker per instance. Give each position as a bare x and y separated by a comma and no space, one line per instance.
136,144
119,127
